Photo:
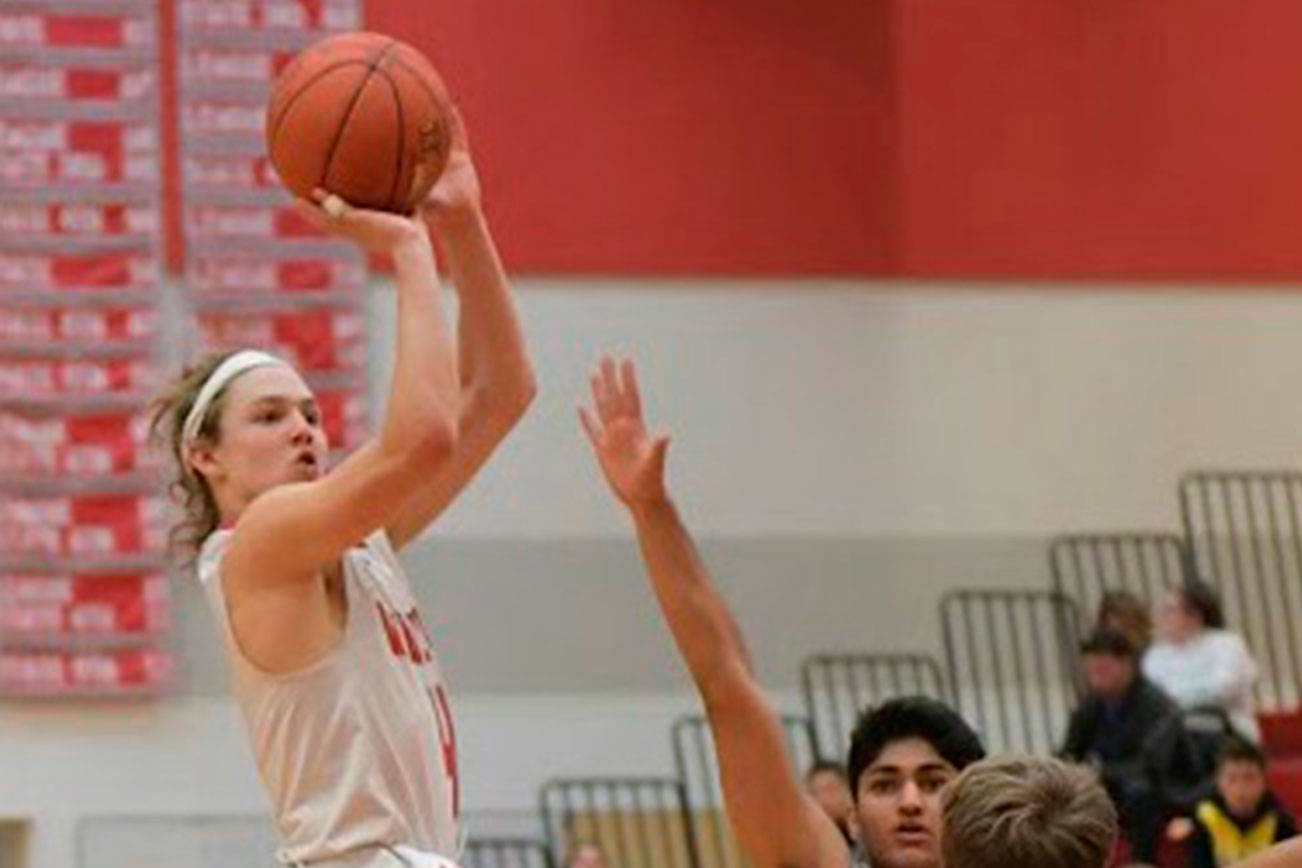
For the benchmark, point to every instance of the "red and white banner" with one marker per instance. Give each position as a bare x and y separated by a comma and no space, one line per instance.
65,378
80,219
112,605
82,525
243,172
343,415
200,15
54,325
244,65
323,340
76,445
77,30
79,83
100,137
211,274
40,271
223,118
70,83
57,673
38,151
266,221
43,167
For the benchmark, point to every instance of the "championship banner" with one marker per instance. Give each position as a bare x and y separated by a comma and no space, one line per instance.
38,379
70,83
81,517
202,17
36,673
313,339
72,30
53,325
230,274
116,270
343,415
222,173
258,221
42,151
111,606
82,526
76,445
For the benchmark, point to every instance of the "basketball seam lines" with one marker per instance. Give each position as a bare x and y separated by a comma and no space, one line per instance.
402,136
348,114
275,127
420,80
435,100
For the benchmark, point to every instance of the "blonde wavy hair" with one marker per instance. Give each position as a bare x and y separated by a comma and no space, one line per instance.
186,486
1026,812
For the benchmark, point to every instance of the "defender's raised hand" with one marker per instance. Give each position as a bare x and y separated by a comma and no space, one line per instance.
632,460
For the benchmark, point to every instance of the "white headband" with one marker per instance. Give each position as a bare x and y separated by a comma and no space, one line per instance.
234,365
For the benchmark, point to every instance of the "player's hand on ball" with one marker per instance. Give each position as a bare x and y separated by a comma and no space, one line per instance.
375,231
457,192
632,460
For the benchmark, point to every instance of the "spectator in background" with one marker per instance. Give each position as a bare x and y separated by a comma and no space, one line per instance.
827,783
1129,730
1124,612
587,854
1198,662
1238,815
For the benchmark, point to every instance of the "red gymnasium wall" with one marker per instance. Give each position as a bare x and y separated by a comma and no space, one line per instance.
934,138
672,136
1100,139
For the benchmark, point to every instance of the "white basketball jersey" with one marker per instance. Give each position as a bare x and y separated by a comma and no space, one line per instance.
357,750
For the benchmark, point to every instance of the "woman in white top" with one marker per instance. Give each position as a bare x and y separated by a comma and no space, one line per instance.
331,665
1200,663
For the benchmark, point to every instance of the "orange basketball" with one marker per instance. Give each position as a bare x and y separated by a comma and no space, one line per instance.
363,116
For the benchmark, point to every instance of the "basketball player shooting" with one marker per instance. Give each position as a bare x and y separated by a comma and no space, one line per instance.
331,663
777,824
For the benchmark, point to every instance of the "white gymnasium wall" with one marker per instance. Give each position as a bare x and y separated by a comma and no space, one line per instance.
871,409
882,441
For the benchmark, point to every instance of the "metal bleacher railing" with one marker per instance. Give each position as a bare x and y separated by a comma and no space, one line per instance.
506,853
838,687
1013,664
1084,567
638,822
1245,539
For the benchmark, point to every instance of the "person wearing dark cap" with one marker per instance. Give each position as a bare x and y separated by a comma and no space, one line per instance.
1128,729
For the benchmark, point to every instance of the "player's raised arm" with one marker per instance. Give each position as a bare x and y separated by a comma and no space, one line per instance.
292,530
497,379
777,824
